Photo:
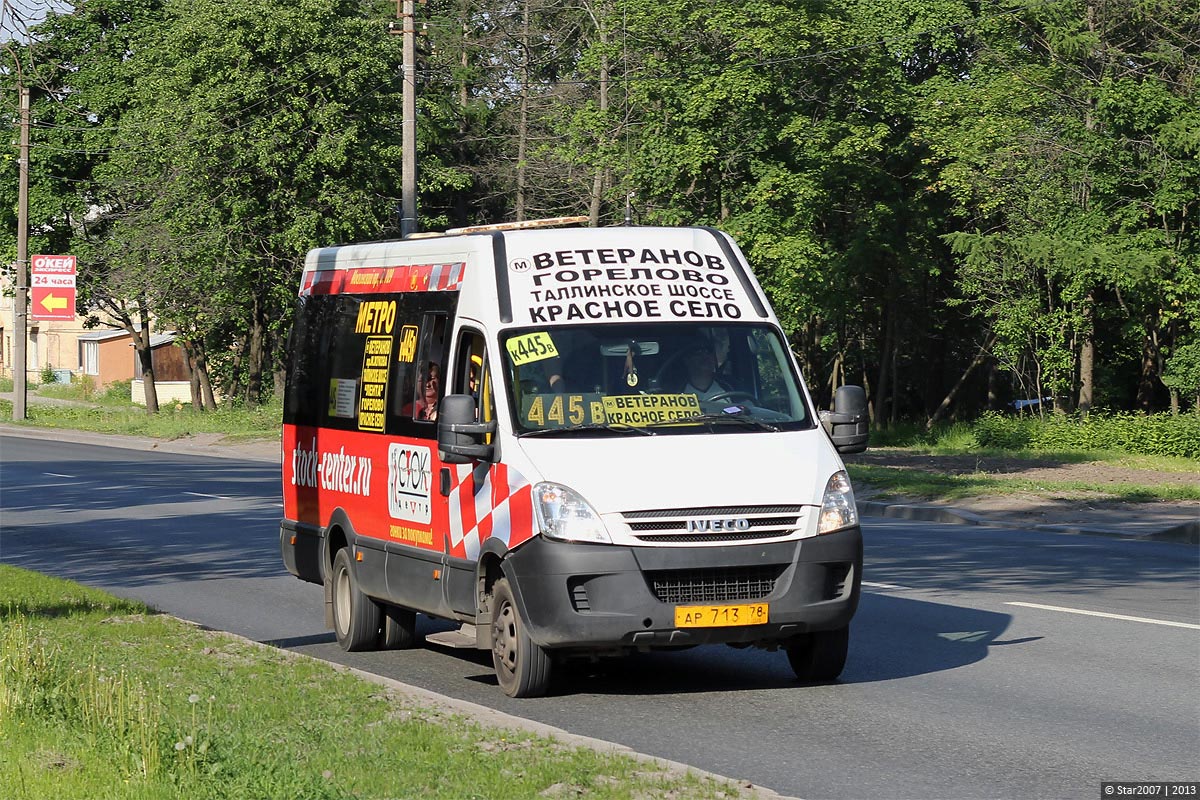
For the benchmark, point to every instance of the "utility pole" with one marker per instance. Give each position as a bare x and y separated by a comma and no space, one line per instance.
21,301
408,164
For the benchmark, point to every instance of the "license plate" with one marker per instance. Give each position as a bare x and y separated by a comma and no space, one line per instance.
720,616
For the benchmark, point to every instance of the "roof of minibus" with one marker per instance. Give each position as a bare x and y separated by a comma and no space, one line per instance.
557,275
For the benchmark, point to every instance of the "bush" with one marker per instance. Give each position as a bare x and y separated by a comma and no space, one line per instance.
1154,434
118,391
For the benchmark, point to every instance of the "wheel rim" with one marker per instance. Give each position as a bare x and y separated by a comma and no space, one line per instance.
504,639
341,600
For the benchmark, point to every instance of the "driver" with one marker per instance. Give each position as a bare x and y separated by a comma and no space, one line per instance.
701,363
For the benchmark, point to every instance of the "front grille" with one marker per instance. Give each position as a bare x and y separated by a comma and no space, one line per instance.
726,585
712,511
721,523
709,537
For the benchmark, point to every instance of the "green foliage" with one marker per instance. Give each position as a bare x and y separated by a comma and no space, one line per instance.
1183,369
910,180
118,393
1155,434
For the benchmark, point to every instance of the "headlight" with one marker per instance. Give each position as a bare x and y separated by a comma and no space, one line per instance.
563,514
837,506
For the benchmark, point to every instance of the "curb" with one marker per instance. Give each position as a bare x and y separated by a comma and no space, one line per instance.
1185,533
142,443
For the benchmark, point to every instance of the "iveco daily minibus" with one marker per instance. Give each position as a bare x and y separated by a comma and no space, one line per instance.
575,442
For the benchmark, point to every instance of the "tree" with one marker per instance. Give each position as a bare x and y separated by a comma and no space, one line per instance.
1070,152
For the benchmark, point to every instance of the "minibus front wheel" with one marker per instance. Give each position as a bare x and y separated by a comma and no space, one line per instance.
522,667
356,617
820,656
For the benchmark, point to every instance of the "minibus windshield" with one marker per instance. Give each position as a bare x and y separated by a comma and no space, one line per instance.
668,378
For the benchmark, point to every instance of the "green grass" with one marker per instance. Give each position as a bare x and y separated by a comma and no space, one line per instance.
174,421
961,440
103,698
897,482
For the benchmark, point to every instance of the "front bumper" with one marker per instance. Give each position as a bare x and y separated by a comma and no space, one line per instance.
601,596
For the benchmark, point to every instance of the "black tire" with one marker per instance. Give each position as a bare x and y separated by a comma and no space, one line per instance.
399,630
819,657
356,617
522,667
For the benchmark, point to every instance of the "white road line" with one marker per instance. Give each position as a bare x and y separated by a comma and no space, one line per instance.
57,475
211,496
1125,617
871,585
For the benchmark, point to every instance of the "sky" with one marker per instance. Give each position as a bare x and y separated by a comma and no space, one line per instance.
17,15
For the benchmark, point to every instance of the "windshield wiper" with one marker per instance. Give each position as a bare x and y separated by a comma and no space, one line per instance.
610,427
720,416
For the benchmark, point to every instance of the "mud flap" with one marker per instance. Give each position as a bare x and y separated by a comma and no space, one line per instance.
328,604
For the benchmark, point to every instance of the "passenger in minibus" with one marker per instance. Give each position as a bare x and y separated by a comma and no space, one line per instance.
426,407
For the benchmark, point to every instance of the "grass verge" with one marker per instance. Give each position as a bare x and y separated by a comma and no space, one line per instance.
172,422
897,482
103,698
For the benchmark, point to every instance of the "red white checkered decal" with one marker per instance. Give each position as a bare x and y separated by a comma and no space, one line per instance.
502,506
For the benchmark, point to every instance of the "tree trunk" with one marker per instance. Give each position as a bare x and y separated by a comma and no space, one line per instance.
895,407
141,343
1087,355
980,359
878,408
189,360
837,375
235,380
256,356
206,391
523,118
599,180
1148,372
993,388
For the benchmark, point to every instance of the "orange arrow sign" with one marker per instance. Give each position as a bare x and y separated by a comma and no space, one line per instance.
52,302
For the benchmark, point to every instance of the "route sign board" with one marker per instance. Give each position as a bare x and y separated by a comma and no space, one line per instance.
52,288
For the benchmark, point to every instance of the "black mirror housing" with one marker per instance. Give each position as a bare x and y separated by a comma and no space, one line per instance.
460,435
848,424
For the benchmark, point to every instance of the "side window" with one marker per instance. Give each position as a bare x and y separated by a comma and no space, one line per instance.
776,390
405,373
300,403
343,348
428,379
473,374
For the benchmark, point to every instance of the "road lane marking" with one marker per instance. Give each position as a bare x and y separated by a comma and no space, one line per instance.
1106,615
57,475
211,496
871,585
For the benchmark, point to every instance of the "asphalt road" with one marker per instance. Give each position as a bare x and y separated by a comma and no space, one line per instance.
971,674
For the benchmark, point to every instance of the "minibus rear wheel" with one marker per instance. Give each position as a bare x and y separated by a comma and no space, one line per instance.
522,667
356,617
820,656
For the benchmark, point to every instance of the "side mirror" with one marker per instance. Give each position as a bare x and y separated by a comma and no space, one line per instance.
460,435
848,424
